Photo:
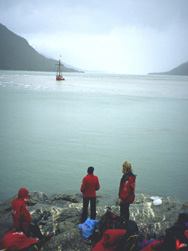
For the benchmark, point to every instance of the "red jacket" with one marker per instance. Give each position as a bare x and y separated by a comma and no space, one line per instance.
127,188
109,240
16,241
20,213
151,246
90,184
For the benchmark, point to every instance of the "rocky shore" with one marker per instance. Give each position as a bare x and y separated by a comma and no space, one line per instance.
60,214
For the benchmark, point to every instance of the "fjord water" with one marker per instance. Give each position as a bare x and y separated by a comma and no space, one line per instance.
50,132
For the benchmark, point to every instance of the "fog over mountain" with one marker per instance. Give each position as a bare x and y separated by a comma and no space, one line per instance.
17,54
128,37
179,70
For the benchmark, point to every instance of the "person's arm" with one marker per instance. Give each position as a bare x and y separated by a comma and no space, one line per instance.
97,185
124,192
83,186
26,214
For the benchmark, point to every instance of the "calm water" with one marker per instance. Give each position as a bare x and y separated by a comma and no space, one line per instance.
50,132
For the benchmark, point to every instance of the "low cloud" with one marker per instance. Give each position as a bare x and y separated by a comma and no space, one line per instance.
133,37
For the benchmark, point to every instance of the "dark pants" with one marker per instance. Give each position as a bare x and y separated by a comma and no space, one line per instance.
86,201
35,230
124,211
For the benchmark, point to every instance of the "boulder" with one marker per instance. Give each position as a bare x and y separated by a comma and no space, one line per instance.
60,214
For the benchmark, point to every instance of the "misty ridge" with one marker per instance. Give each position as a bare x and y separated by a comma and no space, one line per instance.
17,54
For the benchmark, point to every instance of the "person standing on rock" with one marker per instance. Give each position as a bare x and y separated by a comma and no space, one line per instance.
90,184
126,190
22,219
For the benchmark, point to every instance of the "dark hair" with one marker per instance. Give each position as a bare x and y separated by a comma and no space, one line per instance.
90,170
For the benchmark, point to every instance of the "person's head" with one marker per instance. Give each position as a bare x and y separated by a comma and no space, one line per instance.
126,167
23,193
90,170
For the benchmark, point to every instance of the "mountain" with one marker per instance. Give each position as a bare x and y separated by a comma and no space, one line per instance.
17,54
180,70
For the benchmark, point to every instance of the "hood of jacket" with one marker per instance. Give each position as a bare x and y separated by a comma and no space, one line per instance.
23,193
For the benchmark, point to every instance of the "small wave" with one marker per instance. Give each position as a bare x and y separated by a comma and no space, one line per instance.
156,130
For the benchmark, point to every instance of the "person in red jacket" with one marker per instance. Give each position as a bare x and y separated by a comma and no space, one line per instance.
19,241
126,190
90,184
22,219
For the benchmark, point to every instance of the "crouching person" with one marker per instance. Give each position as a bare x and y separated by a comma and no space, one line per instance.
22,219
19,241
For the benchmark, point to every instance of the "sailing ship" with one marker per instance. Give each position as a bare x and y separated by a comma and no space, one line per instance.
59,75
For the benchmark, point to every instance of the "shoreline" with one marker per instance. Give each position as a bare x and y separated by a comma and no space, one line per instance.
105,198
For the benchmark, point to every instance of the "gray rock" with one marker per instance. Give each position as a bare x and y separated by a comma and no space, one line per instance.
60,215
66,197
70,240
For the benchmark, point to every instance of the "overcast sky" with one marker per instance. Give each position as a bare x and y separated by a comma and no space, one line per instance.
119,36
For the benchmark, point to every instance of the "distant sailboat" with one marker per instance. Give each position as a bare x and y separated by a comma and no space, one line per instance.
59,75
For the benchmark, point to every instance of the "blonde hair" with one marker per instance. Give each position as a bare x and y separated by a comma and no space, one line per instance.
126,167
